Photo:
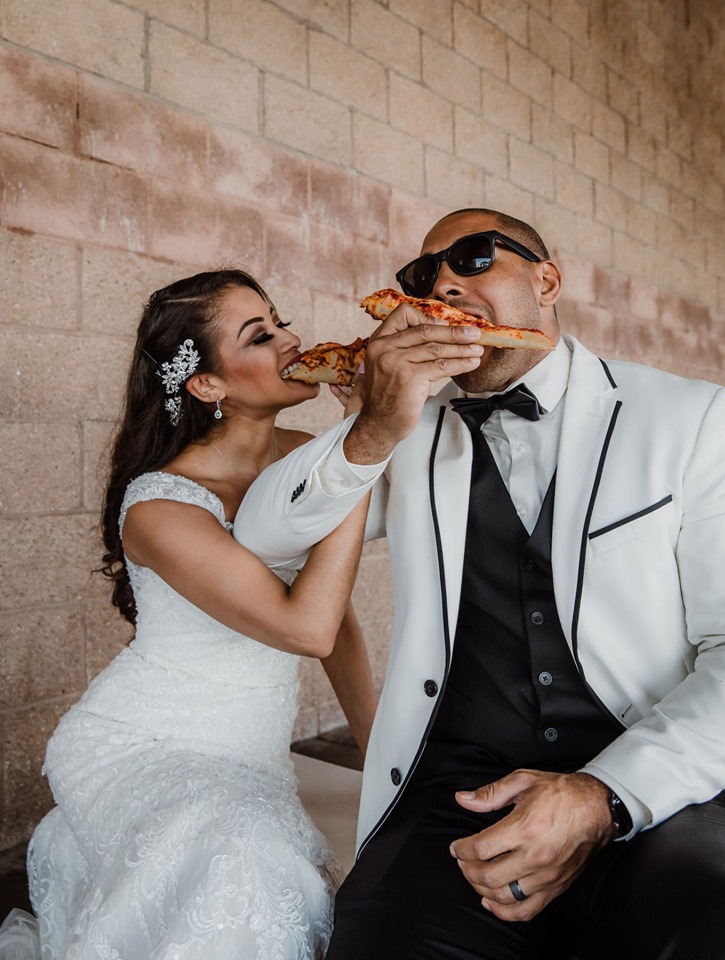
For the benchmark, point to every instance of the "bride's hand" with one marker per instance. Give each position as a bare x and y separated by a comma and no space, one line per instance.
351,397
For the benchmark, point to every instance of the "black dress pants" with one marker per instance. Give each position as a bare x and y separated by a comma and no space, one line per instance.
659,896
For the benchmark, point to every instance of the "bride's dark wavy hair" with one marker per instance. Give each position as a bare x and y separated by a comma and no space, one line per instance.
145,438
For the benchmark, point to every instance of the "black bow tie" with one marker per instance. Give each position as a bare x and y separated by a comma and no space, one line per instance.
476,410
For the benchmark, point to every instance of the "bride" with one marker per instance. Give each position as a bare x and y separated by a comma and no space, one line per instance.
177,832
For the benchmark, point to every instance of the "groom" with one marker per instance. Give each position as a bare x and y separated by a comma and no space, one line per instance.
546,765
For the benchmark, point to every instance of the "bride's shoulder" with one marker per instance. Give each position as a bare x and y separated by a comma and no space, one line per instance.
159,485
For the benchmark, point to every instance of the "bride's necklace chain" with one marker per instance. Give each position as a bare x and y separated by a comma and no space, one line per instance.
235,467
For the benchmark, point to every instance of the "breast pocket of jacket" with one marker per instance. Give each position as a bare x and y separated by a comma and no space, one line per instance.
641,523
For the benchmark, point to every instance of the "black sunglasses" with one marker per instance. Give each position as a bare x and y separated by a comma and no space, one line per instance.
466,257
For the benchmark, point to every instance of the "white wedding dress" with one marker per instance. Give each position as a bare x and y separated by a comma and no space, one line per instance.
178,833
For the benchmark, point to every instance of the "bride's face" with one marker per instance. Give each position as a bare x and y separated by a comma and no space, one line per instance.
254,347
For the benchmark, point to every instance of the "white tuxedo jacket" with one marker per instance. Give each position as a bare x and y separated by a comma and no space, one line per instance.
638,554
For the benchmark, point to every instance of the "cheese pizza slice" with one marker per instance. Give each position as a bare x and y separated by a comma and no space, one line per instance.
327,363
381,303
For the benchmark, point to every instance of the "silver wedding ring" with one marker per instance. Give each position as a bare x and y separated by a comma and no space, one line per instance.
515,888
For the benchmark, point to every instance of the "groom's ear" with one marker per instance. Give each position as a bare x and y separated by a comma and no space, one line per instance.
205,387
549,287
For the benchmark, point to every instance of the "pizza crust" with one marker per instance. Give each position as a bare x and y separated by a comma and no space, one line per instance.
382,303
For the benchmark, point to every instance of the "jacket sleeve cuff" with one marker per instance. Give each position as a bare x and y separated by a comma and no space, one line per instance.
336,475
640,814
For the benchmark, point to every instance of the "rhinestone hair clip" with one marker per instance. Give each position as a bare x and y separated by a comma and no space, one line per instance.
176,372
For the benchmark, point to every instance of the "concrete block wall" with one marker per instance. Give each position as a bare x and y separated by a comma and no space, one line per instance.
312,142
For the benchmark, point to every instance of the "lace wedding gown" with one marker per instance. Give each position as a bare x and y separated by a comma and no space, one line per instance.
178,833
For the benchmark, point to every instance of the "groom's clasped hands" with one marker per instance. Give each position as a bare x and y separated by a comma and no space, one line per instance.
558,821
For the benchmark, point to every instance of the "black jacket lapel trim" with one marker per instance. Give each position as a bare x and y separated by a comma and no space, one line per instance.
582,557
587,521
439,547
446,634
608,372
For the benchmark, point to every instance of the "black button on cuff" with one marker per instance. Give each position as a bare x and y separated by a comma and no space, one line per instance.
430,687
529,565
551,734
395,776
537,617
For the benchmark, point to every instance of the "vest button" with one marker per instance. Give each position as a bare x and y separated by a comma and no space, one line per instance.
551,734
395,776
537,617
529,565
431,688
545,678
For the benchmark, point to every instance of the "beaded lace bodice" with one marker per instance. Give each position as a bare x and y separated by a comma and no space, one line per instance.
170,627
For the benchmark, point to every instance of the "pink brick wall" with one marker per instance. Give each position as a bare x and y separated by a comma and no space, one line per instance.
313,142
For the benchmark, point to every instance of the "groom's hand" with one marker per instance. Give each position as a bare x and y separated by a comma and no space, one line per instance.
558,821
407,353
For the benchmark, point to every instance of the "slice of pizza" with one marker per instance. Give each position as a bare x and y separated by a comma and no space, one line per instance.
383,302
327,363
339,363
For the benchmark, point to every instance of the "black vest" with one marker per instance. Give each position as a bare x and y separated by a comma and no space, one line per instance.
514,693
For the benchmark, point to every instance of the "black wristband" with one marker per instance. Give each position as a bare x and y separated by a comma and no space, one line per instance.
621,820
